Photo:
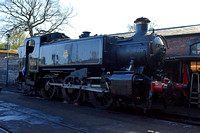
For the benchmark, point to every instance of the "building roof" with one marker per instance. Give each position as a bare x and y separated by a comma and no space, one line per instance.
173,31
182,30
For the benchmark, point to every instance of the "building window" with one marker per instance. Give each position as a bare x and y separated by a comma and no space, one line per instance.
195,49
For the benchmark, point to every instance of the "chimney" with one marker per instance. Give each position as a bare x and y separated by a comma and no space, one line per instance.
141,25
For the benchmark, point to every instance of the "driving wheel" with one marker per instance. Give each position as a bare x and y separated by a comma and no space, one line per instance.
71,94
48,91
100,100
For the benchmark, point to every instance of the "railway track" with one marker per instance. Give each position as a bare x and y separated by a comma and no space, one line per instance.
3,130
37,116
158,113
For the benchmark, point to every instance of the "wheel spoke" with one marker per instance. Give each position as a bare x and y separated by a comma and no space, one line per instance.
102,101
106,99
71,95
50,92
47,91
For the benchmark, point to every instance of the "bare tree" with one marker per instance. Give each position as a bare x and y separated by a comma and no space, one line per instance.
36,17
132,27
17,39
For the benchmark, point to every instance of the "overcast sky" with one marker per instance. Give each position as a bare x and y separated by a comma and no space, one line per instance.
113,16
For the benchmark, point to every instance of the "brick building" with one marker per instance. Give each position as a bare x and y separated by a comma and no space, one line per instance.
180,40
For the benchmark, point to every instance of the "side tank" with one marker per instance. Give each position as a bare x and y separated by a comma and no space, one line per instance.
73,53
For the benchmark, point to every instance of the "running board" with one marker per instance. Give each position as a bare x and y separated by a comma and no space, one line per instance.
92,87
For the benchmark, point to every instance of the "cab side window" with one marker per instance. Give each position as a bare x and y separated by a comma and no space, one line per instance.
30,46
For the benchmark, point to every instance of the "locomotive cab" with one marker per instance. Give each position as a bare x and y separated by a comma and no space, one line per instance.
29,54
31,50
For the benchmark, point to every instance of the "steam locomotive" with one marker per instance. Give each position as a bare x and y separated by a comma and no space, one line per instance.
100,69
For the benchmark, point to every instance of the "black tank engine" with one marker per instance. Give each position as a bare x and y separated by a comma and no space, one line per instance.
100,69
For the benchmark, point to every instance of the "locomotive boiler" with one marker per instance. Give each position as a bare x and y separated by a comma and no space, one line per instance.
99,69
